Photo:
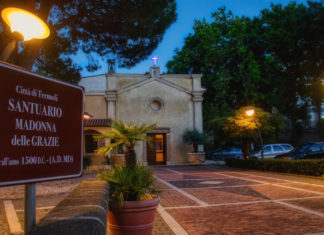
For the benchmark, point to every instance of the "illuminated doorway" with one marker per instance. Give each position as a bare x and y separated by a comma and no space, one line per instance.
156,151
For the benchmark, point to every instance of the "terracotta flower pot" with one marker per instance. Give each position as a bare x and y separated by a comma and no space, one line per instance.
118,159
196,158
133,218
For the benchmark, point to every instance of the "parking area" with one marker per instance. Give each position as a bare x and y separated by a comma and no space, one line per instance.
207,200
220,200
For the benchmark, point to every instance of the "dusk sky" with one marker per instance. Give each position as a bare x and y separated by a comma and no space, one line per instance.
188,11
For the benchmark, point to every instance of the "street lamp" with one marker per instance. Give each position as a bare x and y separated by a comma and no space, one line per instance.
27,24
250,113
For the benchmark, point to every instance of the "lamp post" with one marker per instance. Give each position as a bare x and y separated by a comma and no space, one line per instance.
250,113
29,26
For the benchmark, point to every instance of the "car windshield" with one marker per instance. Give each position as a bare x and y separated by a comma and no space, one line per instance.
286,147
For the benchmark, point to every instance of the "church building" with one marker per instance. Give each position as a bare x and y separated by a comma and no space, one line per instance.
172,101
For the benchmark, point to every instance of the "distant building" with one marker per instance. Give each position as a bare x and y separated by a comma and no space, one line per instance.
173,101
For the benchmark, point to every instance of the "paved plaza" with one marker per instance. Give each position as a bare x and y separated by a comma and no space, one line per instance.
210,199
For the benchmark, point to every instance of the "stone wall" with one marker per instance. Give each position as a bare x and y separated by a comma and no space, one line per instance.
83,211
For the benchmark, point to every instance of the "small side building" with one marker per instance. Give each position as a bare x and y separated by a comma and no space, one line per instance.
173,101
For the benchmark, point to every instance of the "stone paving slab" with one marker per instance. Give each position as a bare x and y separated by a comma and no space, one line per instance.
161,185
246,194
316,204
284,176
266,180
169,176
210,183
274,192
260,218
209,175
4,228
226,195
174,198
310,187
45,188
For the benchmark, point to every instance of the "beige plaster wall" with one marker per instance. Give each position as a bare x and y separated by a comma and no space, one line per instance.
183,81
177,114
124,81
96,105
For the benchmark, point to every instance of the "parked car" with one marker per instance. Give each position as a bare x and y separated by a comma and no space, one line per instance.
307,151
273,150
225,152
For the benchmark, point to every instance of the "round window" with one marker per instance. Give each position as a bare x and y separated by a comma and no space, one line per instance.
156,104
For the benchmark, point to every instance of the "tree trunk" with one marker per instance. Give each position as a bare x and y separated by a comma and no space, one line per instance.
319,122
195,148
295,132
130,157
246,148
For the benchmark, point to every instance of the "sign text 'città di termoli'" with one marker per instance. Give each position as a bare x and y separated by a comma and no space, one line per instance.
41,127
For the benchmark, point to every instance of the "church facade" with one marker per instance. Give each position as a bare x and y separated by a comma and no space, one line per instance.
172,101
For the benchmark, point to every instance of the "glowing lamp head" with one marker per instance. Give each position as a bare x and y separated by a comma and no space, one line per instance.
26,23
86,116
250,112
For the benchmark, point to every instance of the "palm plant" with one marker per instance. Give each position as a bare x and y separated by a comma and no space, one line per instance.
194,137
130,184
125,135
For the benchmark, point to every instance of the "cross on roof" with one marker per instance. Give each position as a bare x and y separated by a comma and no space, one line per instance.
154,60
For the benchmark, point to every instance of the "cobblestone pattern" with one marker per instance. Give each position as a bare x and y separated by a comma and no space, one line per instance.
312,204
226,195
45,188
260,218
266,180
298,178
4,228
218,183
174,198
315,188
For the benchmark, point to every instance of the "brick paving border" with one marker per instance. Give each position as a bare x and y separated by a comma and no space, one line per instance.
284,191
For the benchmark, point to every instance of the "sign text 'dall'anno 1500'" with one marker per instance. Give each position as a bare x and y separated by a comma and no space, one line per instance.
41,124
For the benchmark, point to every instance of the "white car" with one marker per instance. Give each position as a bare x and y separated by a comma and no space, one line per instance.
272,150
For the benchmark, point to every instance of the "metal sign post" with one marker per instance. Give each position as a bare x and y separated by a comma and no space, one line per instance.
30,207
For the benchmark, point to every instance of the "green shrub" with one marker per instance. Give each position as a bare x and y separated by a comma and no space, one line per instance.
87,161
130,184
304,167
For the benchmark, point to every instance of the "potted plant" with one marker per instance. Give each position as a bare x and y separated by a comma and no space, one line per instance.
195,137
133,198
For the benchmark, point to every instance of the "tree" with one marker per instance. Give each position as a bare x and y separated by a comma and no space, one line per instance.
123,29
247,128
219,50
269,61
194,137
127,136
293,39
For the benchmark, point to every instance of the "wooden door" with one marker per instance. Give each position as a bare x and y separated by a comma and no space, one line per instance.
156,151
151,150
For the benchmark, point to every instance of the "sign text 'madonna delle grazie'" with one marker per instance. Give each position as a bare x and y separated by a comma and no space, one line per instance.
41,123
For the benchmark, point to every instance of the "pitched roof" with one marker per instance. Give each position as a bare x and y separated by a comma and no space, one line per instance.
92,122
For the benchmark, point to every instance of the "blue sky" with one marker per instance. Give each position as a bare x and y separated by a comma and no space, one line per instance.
188,11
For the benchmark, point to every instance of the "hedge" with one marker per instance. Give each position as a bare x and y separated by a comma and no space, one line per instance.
304,167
